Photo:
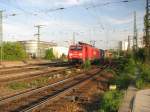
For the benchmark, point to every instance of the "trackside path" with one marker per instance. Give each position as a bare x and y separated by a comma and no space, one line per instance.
126,105
142,101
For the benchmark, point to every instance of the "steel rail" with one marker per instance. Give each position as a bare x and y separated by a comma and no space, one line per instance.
30,75
61,93
36,90
53,95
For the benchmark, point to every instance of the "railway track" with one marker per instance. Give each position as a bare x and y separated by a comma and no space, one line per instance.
29,75
30,72
31,100
17,69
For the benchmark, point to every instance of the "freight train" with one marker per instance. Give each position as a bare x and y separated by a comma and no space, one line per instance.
81,52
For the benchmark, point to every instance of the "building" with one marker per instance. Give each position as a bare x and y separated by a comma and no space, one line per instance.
32,49
59,51
123,45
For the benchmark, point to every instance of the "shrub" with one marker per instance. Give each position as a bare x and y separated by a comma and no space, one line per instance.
123,81
140,55
125,73
145,72
87,64
139,83
144,76
49,55
111,101
13,51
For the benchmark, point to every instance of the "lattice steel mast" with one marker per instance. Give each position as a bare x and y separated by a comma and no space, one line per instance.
135,45
147,30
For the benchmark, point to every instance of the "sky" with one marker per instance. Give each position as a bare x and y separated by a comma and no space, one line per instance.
105,21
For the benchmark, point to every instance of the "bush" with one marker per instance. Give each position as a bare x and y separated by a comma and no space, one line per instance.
140,55
123,81
111,101
125,73
49,55
145,72
13,51
87,64
143,77
139,83
63,57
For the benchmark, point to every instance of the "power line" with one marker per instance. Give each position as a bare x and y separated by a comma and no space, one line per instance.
108,3
89,7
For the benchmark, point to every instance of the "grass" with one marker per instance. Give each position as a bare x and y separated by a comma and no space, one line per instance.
111,101
127,72
143,79
18,85
25,85
87,65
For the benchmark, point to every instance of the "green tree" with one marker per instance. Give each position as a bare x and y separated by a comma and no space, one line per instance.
49,55
13,51
140,55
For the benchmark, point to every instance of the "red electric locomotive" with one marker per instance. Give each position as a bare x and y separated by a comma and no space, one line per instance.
82,52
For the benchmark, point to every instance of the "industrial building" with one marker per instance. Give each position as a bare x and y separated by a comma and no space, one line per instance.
124,45
37,49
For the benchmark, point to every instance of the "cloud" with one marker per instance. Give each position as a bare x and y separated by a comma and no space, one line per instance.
19,31
73,2
26,31
119,21
50,3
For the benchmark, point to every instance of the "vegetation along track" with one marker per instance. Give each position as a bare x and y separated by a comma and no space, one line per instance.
33,99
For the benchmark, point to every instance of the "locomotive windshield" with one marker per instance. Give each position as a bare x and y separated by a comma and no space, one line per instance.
76,48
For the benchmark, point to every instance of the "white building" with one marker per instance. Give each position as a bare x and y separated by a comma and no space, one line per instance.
123,45
32,48
59,51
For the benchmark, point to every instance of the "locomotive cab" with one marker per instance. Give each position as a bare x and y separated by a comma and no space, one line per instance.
81,52
75,53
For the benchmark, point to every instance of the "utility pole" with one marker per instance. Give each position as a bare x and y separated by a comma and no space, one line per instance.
135,46
128,49
74,41
1,37
147,30
38,39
